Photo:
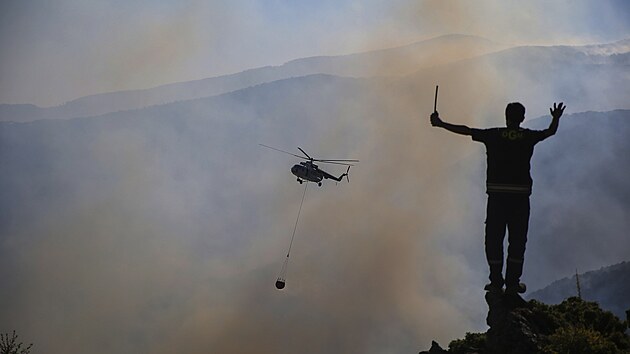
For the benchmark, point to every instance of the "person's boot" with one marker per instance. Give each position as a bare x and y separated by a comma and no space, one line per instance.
496,278
494,287
512,277
513,289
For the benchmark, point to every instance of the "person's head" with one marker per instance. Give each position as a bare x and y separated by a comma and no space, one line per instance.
514,114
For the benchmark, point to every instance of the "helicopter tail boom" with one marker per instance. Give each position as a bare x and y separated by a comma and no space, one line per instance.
338,179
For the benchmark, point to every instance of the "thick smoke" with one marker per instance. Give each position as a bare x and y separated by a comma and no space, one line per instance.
164,231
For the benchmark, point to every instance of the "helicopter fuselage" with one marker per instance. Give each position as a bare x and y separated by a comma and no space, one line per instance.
308,172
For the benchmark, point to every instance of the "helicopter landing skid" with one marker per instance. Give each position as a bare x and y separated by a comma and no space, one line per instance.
319,184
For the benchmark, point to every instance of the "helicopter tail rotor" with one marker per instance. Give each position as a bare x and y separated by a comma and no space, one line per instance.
347,173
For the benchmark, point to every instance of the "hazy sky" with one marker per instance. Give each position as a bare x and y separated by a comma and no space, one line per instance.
55,51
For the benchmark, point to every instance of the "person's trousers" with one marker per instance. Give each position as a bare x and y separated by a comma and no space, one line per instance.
511,211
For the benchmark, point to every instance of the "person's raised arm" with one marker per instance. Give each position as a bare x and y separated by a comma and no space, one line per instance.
556,113
457,129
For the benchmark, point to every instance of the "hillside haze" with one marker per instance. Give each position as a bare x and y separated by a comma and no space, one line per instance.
392,61
609,286
443,57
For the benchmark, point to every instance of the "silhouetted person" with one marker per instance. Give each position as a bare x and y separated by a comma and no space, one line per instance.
508,185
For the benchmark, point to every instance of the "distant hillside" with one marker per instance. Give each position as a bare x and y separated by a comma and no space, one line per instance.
609,286
597,71
392,61
536,75
25,113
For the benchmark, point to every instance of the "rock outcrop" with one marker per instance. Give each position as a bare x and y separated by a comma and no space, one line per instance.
519,327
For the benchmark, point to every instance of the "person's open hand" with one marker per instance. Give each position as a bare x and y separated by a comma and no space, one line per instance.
435,119
556,112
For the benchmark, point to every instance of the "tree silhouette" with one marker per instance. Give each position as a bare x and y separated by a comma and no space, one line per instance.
10,345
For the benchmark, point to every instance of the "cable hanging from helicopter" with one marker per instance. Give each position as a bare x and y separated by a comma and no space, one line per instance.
307,171
281,281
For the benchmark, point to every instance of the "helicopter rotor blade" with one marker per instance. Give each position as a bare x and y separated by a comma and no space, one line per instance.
332,160
335,163
307,155
286,152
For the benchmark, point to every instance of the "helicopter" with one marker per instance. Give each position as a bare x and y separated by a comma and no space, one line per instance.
308,171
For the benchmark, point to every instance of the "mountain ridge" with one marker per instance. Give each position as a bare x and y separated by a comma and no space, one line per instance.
137,98
608,285
383,62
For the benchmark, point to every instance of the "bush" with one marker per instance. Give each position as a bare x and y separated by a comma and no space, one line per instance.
577,340
473,342
575,326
